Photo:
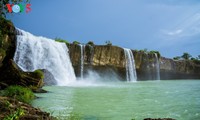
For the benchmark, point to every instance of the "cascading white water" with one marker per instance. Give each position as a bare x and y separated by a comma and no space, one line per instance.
82,59
130,65
157,67
34,52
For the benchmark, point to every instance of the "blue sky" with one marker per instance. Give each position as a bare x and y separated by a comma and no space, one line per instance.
169,26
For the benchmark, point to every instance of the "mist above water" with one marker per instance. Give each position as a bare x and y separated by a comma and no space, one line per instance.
93,78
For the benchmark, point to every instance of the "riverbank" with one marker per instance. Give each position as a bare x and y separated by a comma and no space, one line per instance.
12,109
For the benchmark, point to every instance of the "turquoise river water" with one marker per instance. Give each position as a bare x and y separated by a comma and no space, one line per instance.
179,99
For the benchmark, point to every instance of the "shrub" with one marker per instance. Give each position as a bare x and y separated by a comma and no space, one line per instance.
20,93
144,50
39,74
186,56
157,52
196,61
177,58
192,58
91,43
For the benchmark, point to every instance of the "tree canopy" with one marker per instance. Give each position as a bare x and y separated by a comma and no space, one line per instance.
186,56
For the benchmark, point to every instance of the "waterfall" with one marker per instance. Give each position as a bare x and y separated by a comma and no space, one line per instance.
157,67
82,59
130,65
34,53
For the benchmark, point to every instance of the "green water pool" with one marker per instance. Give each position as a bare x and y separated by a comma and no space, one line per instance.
178,99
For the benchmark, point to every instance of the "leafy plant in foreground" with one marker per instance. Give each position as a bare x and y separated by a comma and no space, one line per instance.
20,93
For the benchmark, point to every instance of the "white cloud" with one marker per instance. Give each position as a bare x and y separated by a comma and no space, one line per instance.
176,32
186,28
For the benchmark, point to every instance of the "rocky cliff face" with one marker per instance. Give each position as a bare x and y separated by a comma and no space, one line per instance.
146,65
182,69
111,60
108,61
10,73
105,60
7,41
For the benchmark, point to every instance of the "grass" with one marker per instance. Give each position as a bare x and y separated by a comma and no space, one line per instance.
16,115
20,93
62,41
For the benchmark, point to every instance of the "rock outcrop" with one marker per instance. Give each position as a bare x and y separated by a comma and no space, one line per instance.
10,73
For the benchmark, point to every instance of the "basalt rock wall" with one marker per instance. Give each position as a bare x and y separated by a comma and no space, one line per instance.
105,59
181,69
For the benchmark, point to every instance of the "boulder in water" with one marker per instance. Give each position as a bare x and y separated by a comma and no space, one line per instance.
49,78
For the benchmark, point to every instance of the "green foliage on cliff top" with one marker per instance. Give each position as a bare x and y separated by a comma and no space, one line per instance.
177,58
150,52
90,43
186,56
20,93
144,50
76,42
4,25
61,40
155,52
196,61
108,43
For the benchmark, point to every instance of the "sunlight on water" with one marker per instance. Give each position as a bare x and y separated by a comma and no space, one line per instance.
124,101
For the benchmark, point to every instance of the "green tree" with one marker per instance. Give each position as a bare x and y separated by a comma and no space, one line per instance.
186,56
3,7
108,42
91,43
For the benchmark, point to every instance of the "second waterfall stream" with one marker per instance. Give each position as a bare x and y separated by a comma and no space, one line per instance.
131,75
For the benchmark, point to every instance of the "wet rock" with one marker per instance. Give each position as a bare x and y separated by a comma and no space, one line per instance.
49,78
